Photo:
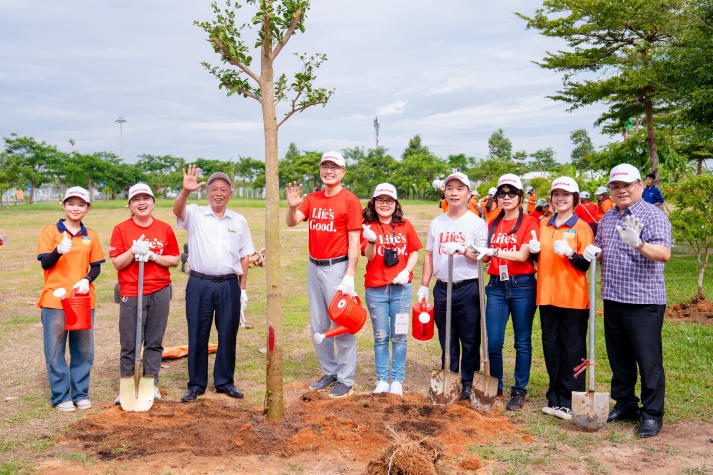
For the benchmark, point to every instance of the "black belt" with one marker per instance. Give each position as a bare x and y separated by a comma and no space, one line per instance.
214,278
328,262
457,285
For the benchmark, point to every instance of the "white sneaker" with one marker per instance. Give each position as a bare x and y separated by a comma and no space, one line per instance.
84,404
396,388
381,387
66,406
550,411
563,413
156,393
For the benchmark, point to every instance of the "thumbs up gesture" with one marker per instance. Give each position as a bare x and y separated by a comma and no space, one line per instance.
65,245
534,243
562,248
140,247
368,233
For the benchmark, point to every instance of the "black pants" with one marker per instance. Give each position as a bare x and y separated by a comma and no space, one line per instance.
465,327
564,344
633,338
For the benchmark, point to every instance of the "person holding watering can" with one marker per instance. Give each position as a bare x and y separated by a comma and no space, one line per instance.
390,244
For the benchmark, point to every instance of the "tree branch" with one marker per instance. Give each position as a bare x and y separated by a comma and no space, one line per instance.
288,33
224,51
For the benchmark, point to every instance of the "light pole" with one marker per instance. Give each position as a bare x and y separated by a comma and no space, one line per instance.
376,128
121,120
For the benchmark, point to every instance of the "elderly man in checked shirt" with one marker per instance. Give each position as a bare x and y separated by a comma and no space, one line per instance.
633,242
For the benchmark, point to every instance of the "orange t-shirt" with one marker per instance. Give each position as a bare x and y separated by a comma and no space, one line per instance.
72,266
162,241
532,203
330,218
603,207
490,215
473,205
501,239
403,239
444,205
559,283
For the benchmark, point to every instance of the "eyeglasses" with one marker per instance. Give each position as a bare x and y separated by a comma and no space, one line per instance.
510,194
325,166
222,191
384,201
625,186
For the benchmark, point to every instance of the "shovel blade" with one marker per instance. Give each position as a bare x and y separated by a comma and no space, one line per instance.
444,388
484,392
590,409
128,397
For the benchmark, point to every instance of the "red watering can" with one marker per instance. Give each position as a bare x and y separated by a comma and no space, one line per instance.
422,320
346,311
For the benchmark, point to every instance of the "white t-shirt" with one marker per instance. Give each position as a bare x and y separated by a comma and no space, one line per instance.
469,229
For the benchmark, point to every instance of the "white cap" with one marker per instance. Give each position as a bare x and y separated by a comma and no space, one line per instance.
584,195
600,191
437,184
530,189
541,202
77,191
492,190
334,157
624,172
565,183
218,176
510,179
386,189
140,189
457,176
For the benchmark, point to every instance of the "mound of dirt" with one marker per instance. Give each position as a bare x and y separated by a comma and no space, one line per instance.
379,428
698,310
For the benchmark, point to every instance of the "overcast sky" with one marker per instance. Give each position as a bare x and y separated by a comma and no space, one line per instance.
452,72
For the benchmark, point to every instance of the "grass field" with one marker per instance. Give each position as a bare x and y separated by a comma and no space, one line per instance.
28,423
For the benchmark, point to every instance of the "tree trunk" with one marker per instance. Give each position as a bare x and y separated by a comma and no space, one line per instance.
274,402
651,138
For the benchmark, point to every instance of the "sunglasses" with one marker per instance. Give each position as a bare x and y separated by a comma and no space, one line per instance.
509,193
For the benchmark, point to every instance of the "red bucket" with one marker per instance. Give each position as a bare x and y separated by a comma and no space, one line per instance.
422,320
77,311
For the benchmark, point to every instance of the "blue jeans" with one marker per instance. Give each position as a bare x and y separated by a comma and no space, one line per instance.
517,297
67,383
384,303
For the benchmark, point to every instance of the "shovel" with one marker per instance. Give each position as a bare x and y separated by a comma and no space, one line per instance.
485,387
444,387
136,392
590,409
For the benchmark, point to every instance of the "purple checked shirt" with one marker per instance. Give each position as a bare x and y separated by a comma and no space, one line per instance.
628,276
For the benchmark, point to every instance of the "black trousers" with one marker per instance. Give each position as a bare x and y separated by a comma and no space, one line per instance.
633,339
564,344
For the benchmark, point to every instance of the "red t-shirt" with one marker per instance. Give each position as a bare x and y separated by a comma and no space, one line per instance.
513,242
162,241
330,219
587,212
403,239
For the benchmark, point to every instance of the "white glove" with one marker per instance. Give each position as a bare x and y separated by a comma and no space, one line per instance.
140,247
630,230
148,256
422,294
454,247
243,305
484,252
534,243
347,285
82,286
563,248
66,244
590,252
368,233
402,278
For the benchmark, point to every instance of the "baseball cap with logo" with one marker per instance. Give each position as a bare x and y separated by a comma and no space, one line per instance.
457,176
219,176
584,195
140,189
565,183
385,189
600,191
624,172
510,179
334,157
492,190
77,191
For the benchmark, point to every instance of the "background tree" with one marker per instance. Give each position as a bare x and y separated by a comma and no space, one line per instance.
692,219
622,41
162,171
417,169
583,149
31,161
499,146
272,26
543,159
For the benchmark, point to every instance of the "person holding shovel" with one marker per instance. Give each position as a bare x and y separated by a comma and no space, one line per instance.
147,239
562,295
454,233
512,289
390,244
635,243
71,257
334,217
220,244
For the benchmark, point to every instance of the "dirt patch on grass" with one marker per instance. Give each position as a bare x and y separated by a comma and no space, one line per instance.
698,310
